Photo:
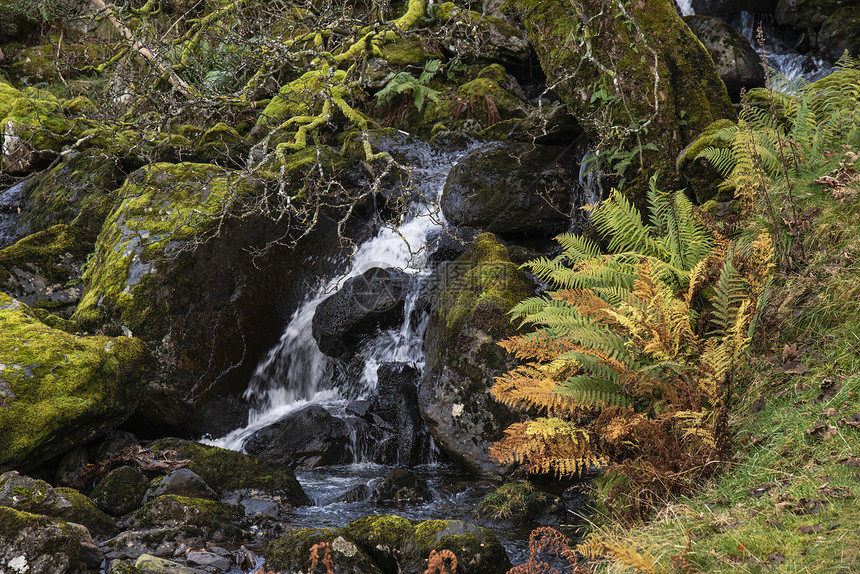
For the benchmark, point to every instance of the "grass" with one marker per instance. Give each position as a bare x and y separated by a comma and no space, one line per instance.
789,498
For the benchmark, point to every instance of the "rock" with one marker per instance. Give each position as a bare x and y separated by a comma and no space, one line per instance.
737,62
152,275
805,13
397,403
30,495
84,511
688,80
726,7
12,201
147,564
44,270
381,537
477,36
292,552
703,179
548,123
208,559
120,491
181,482
32,543
70,470
112,444
164,542
230,471
306,438
218,520
492,97
478,551
403,486
839,33
58,391
512,188
520,503
374,300
468,320
450,243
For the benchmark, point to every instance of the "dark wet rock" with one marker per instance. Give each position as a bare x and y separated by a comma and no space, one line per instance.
57,390
357,493
291,552
229,471
374,300
84,511
805,13
163,542
477,549
450,243
181,482
208,560
477,36
12,201
839,33
218,520
120,491
70,469
512,189
548,123
112,444
402,485
397,403
307,438
737,62
34,543
702,178
463,357
726,7
147,564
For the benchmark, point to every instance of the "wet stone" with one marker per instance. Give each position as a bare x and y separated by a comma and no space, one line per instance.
209,559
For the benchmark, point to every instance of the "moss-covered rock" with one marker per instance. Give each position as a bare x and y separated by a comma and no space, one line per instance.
227,470
487,99
839,33
84,511
44,269
58,390
292,552
519,503
476,36
173,511
642,70
34,543
120,491
381,536
478,551
468,319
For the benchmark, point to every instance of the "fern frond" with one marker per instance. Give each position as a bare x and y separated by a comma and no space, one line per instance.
548,445
598,545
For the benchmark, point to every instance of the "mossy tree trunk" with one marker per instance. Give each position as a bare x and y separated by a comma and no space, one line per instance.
633,74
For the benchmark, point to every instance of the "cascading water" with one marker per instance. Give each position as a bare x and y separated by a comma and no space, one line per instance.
295,372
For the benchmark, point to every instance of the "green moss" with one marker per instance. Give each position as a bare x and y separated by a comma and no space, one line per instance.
54,545
486,96
60,390
291,552
478,551
705,140
299,97
85,512
8,95
380,536
230,470
44,252
39,119
120,491
518,502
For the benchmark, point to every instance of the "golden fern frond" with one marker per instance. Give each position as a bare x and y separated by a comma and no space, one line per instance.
548,445
599,545
531,386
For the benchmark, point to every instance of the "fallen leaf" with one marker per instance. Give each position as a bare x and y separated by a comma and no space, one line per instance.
835,492
809,506
821,432
776,559
758,491
810,529
830,412
829,388
851,461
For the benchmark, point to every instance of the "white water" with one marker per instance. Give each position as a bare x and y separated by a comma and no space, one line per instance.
296,373
686,7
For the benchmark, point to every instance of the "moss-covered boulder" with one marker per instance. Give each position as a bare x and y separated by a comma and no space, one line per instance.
58,390
805,13
839,33
381,536
701,177
44,270
478,551
638,80
469,318
34,543
84,511
120,491
292,552
476,36
520,503
512,189
172,266
173,511
737,62
228,470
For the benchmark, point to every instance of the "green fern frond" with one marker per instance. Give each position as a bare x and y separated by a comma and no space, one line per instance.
592,391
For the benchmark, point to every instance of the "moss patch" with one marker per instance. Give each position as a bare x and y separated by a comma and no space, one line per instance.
172,510
57,390
84,511
477,549
291,552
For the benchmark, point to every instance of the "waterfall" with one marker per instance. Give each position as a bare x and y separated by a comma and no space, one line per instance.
295,372
685,7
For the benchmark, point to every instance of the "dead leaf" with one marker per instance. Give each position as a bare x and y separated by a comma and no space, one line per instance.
840,492
829,412
792,368
809,505
810,529
851,461
829,388
758,491
776,559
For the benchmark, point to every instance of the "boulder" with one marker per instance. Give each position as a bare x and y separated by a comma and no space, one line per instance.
520,503
402,486
44,270
164,542
120,491
613,89
373,300
483,37
147,564
478,551
702,178
58,391
12,201
803,14
469,318
381,536
181,482
737,62
229,471
512,189
397,403
839,33
170,270
292,552
218,520
34,543
306,438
